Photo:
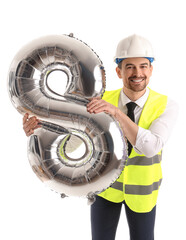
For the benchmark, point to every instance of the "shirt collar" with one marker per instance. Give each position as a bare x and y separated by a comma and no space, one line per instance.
140,102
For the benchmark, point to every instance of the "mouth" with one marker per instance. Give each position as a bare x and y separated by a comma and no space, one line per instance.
137,80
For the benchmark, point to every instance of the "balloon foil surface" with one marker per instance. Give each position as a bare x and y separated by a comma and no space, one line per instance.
75,153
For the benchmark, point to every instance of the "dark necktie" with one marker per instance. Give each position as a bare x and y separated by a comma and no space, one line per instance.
130,106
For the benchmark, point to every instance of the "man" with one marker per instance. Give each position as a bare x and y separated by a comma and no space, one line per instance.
147,127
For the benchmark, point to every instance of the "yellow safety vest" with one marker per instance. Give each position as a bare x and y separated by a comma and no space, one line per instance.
140,180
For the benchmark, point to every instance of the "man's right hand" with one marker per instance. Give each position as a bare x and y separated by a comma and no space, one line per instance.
30,124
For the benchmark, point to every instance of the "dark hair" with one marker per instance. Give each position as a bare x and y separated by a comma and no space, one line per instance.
120,65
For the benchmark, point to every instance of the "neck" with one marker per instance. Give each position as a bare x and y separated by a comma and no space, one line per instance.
133,96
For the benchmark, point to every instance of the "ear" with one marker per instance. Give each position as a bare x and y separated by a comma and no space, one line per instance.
118,71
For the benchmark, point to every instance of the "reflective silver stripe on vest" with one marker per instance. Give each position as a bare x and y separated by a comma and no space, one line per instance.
141,189
144,161
117,185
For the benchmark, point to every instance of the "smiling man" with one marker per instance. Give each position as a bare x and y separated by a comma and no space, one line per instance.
135,73
146,118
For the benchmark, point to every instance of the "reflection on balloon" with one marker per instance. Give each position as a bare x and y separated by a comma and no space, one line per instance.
75,153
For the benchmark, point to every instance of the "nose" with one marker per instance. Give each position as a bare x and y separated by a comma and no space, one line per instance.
137,72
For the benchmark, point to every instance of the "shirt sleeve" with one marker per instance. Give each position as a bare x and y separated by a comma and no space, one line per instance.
150,141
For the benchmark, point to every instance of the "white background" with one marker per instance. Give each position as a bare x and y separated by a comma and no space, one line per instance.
29,210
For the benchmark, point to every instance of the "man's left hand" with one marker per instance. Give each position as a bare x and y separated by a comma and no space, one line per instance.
97,105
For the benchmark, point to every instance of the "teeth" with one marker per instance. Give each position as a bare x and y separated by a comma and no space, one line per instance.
137,80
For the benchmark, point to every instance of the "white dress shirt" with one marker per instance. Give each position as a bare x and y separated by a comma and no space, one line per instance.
150,142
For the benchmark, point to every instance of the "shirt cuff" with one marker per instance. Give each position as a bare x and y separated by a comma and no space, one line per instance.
147,143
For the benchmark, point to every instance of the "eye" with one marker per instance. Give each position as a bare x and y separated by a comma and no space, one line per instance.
129,67
144,66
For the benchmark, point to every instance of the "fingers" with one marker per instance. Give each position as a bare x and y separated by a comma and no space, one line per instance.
97,106
94,105
25,118
30,124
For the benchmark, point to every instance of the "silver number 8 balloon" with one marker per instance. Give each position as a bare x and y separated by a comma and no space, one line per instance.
66,124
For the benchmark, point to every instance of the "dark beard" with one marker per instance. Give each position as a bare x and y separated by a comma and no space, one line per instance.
137,88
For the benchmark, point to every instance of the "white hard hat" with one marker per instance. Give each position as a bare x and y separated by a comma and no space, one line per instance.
134,46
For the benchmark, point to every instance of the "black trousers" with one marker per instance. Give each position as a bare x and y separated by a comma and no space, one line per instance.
105,217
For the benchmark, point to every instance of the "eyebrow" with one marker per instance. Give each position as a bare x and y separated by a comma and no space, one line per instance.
130,64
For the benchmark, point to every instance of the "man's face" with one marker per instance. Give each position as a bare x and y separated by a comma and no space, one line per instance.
135,73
